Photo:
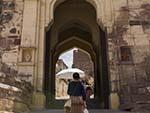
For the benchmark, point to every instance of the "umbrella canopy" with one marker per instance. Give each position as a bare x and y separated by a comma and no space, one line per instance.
68,73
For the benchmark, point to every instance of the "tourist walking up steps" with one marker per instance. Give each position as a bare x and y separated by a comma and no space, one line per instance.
77,94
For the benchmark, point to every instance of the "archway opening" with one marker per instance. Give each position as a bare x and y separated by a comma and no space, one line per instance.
75,26
78,59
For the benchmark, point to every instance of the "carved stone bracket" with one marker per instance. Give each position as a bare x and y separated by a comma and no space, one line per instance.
26,63
27,55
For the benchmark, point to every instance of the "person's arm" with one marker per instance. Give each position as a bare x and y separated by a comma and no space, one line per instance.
83,92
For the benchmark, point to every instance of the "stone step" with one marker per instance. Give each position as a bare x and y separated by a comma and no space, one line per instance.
90,111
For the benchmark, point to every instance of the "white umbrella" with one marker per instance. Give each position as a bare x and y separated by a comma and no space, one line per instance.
67,73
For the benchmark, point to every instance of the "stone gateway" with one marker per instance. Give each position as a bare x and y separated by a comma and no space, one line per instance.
115,33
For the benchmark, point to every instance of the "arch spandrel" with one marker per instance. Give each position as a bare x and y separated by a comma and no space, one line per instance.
97,4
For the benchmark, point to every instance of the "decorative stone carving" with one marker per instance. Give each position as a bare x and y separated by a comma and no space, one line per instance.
27,55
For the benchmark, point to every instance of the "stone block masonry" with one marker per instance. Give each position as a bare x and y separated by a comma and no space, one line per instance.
22,50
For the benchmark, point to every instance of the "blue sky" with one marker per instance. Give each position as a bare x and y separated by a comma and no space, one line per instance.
67,58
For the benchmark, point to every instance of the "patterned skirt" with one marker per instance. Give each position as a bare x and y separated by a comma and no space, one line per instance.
77,108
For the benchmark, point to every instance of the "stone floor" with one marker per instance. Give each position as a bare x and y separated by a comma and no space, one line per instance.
90,111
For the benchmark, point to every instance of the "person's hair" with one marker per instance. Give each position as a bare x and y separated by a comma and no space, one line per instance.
88,88
76,76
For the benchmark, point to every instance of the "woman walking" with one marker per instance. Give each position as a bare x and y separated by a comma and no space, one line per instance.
77,94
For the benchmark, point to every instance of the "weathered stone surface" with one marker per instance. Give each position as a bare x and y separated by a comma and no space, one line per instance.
21,107
137,29
15,93
139,53
130,28
119,3
6,105
13,30
133,77
9,57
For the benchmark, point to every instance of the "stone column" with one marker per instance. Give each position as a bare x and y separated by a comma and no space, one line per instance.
31,54
114,77
39,98
27,48
107,21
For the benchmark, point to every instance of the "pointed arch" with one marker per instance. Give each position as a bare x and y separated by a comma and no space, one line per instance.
74,42
52,4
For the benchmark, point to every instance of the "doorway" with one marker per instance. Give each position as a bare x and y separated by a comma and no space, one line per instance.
75,26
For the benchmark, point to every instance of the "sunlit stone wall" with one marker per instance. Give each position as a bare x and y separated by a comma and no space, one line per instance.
15,94
129,53
22,31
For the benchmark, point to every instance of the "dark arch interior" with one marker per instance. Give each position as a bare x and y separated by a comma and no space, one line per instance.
75,29
75,26
74,42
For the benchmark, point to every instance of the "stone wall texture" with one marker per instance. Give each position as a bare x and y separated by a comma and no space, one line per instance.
83,61
15,94
129,47
128,50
